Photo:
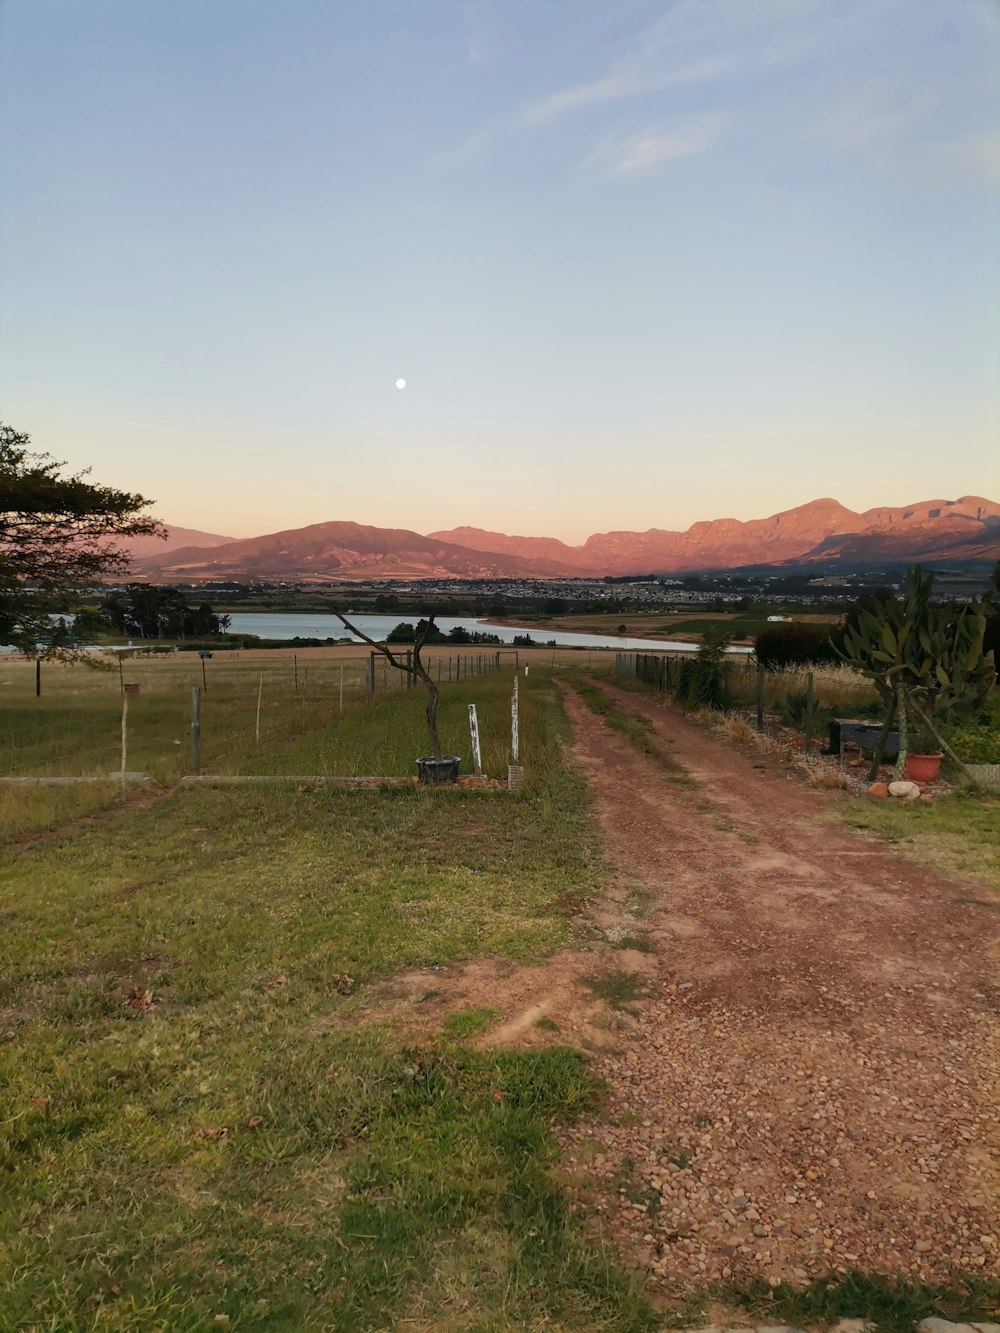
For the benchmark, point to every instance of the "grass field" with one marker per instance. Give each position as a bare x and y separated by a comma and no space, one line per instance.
75,727
206,1120
199,1125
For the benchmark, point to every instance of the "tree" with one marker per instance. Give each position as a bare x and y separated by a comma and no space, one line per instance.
794,644
413,667
58,534
147,611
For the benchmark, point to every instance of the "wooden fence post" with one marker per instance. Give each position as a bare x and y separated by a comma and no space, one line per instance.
515,724
477,758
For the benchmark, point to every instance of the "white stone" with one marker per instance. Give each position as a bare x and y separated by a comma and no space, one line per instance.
942,1326
907,791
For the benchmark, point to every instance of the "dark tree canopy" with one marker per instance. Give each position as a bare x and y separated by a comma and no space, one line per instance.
58,534
148,611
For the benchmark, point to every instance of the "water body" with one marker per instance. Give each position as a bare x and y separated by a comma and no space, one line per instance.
294,624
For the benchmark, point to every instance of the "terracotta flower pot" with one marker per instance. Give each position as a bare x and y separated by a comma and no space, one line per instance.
922,767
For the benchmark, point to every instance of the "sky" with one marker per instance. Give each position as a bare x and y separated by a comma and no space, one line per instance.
639,263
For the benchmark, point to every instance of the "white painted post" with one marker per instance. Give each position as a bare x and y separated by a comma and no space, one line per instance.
477,758
124,735
526,671
515,738
260,691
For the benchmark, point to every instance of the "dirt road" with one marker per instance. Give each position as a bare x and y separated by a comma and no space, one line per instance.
810,1081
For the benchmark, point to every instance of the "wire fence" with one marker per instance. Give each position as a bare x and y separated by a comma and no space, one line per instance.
319,711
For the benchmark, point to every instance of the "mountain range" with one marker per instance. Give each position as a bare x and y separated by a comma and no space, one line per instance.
822,532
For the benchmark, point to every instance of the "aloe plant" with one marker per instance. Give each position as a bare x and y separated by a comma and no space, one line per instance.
924,656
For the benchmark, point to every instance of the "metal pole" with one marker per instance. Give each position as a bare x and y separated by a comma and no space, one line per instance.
295,669
204,678
38,678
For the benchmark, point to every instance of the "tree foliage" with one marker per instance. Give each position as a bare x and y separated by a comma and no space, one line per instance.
794,644
146,611
58,534
701,680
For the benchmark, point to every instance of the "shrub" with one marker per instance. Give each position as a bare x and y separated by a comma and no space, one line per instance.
701,681
795,645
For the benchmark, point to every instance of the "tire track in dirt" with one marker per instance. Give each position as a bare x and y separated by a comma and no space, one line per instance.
811,1084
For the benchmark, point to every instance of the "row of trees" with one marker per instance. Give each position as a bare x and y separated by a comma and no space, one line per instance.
425,631
145,611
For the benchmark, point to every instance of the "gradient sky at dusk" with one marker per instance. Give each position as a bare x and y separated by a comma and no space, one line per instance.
639,263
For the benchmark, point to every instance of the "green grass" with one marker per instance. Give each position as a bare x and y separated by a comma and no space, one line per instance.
618,988
464,1023
199,1118
739,627
75,728
893,1305
957,834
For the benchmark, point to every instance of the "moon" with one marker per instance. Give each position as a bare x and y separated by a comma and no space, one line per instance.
401,384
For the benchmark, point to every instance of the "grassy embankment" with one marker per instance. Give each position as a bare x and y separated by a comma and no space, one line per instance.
199,1125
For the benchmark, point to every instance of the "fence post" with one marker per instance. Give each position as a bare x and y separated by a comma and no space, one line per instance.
369,678
260,692
809,711
295,669
341,688
195,729
38,678
124,736
477,758
515,736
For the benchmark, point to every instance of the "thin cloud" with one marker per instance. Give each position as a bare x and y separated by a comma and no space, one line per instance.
695,42
639,154
626,80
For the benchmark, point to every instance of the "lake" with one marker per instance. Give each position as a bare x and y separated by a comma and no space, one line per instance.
293,624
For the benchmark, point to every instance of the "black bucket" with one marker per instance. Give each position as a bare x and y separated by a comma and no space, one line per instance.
437,772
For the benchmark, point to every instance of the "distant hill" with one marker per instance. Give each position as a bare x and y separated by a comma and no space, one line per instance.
141,547
822,531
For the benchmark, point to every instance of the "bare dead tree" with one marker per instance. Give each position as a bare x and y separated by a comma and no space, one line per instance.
415,668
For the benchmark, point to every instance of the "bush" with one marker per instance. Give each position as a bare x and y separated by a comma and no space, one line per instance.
977,739
701,681
795,645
